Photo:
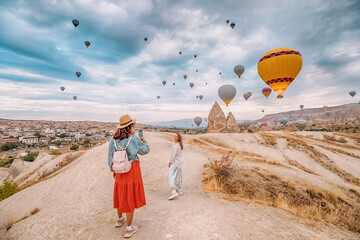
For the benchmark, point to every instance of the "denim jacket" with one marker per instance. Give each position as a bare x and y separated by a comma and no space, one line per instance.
136,146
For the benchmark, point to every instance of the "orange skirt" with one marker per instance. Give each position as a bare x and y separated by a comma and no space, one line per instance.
129,189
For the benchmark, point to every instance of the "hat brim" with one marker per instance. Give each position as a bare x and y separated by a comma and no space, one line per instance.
125,125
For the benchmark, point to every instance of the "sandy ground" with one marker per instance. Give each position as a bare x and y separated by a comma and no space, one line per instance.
78,204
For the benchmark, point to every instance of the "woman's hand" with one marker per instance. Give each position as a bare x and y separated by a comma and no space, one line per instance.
114,175
169,164
143,139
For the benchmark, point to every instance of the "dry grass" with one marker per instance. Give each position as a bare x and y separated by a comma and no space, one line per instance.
260,186
270,139
11,222
214,142
298,165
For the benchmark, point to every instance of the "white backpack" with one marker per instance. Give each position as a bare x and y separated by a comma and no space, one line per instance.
121,163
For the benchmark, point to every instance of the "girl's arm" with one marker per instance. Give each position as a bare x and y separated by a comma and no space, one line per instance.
143,146
111,152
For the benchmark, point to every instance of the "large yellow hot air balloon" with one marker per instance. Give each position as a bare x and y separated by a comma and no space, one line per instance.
279,67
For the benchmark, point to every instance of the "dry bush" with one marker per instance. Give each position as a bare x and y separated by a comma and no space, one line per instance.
270,139
36,210
329,138
260,186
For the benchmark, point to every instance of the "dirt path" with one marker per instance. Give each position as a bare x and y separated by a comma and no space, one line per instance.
77,204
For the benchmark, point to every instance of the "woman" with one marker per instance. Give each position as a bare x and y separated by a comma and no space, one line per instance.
128,188
175,177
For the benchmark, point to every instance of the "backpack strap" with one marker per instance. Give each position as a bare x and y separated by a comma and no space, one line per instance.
120,146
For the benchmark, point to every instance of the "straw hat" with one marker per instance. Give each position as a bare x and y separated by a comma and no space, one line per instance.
125,121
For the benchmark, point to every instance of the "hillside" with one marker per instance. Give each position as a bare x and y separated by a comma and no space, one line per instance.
347,112
75,201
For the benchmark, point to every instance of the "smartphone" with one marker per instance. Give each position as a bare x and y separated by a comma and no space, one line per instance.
141,133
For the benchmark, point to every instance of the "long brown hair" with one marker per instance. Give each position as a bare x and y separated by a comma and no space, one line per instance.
122,133
179,140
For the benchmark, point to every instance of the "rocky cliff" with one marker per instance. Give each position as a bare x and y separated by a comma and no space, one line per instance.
217,123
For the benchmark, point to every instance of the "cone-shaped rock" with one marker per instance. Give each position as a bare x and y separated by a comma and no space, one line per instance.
232,126
216,120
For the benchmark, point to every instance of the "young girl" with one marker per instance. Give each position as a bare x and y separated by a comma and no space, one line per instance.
175,177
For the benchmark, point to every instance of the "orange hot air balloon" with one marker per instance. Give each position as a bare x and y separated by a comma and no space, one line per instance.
279,67
325,107
266,91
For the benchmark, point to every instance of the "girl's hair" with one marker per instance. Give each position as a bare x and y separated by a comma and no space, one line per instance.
122,133
179,139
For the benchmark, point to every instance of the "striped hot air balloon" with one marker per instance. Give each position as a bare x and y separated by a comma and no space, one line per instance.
284,121
266,91
300,124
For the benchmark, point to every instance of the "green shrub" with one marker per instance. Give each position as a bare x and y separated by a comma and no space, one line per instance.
342,140
55,152
8,189
250,131
6,162
8,146
74,147
30,157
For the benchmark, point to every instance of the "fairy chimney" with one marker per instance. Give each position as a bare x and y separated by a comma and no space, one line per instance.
216,120
231,123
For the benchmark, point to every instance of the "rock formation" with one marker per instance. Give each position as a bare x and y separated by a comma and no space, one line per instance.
232,126
216,120
217,123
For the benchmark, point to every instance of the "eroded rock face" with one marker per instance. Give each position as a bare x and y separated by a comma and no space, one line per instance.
216,120
232,126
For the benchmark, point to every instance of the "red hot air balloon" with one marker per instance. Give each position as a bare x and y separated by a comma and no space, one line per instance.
158,97
74,97
87,43
201,97
266,91
195,55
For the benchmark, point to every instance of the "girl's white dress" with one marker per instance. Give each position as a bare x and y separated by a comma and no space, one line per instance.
175,177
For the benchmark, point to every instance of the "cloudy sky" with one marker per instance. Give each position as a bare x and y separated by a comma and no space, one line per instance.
40,51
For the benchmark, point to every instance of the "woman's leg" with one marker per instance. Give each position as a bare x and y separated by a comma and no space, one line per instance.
129,218
119,213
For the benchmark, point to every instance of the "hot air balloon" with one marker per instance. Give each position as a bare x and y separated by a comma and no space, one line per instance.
240,124
180,53
328,113
232,25
275,122
195,55
87,43
197,96
158,97
266,92
279,67
264,124
352,93
263,110
325,107
219,73
75,22
185,77
247,95
197,70
301,106
283,120
191,84
74,97
201,97
78,74
62,88
247,123
239,70
198,120
227,21
164,82
259,124
173,84
300,124
145,39
227,92
280,96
